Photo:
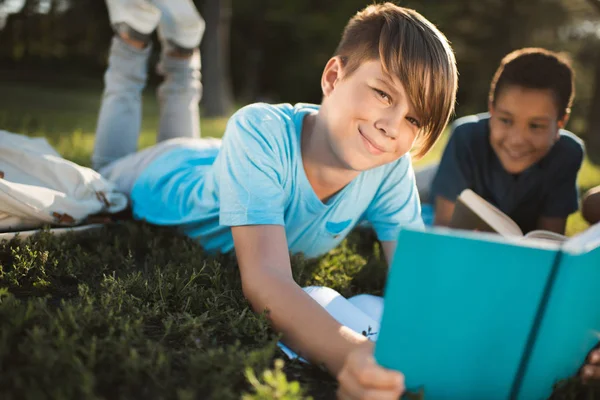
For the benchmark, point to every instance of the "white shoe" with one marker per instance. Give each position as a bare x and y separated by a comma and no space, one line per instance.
139,15
180,24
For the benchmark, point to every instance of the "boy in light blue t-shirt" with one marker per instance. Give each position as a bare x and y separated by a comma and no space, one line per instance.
298,178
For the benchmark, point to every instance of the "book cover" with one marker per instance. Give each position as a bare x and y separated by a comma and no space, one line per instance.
459,311
570,321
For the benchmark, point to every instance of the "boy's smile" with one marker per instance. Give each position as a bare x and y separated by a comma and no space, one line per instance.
371,145
370,120
524,126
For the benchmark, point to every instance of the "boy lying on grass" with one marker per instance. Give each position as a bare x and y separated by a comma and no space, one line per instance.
299,178
517,156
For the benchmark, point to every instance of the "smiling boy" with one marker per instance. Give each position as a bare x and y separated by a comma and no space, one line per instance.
518,157
298,178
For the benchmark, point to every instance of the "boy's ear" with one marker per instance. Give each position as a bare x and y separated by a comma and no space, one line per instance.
331,74
490,107
563,121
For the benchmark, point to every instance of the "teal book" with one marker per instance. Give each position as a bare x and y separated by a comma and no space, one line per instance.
478,316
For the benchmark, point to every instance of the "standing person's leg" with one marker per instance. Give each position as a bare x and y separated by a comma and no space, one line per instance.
119,119
180,29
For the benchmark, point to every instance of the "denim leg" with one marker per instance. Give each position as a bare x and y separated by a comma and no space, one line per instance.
119,120
178,96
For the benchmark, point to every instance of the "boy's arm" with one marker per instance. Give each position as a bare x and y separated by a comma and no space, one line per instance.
590,206
553,224
591,368
563,197
389,247
267,282
444,209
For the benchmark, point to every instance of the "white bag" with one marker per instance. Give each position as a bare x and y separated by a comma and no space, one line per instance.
38,187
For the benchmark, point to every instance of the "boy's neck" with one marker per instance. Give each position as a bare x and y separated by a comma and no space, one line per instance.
325,173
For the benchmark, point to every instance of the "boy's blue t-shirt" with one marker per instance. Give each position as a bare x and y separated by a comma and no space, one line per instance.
256,177
546,189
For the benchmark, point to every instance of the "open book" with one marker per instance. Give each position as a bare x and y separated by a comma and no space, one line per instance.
486,317
473,212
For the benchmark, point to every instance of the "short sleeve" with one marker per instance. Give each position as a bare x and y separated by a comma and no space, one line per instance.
453,174
396,203
563,195
251,169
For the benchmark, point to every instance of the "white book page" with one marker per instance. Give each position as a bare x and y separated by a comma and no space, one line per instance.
584,241
499,221
344,312
541,234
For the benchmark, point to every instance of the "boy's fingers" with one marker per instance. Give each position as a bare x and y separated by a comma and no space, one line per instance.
369,374
374,376
349,388
374,394
353,391
591,372
594,357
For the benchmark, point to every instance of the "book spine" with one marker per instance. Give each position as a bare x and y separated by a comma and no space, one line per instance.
535,328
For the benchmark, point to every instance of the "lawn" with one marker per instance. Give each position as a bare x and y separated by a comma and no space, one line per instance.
135,311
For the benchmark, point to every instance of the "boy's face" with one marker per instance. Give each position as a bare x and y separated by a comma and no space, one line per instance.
369,118
524,126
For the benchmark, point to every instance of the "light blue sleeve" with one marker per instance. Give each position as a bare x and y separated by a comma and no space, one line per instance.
396,203
251,169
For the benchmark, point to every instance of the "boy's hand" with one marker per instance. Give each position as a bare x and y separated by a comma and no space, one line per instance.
362,378
591,369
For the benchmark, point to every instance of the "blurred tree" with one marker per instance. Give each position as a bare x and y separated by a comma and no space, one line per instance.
278,48
593,122
217,98
482,32
582,37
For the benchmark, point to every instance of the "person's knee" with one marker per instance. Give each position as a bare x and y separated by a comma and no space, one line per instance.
590,207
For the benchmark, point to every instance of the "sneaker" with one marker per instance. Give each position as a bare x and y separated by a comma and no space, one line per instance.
181,25
137,18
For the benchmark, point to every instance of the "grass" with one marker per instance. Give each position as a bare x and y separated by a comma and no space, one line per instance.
135,311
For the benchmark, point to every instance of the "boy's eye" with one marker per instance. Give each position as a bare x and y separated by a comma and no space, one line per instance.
414,122
383,95
536,127
505,121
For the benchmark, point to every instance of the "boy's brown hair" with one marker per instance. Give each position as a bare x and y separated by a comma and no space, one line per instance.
537,68
416,52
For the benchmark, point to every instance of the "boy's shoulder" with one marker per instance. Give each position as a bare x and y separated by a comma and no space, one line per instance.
569,142
282,112
472,123
263,112
270,120
268,126
566,154
471,130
